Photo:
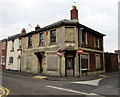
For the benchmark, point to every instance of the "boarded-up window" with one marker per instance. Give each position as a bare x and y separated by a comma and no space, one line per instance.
84,61
29,63
52,62
69,34
98,65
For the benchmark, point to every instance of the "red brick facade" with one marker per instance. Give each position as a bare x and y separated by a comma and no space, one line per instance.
111,62
3,52
90,48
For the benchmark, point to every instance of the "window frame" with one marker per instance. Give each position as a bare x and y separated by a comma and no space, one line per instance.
2,61
12,45
53,37
85,36
11,62
20,43
29,41
98,67
97,42
40,39
3,45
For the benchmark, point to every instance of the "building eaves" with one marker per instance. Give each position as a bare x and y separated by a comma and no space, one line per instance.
3,40
91,30
16,36
64,22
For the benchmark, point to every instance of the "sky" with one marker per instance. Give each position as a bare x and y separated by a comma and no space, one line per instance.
100,15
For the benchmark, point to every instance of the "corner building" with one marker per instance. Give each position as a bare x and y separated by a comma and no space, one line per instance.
39,48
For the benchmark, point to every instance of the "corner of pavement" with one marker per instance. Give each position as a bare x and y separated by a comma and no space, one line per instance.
57,78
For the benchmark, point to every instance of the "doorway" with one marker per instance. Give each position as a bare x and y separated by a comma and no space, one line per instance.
40,59
69,66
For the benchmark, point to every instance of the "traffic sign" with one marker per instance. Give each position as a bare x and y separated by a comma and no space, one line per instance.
60,52
80,51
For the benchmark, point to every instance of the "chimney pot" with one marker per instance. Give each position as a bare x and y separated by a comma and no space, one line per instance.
23,30
37,27
74,13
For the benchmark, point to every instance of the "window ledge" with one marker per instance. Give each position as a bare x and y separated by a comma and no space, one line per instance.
41,45
12,51
19,49
10,63
30,47
54,43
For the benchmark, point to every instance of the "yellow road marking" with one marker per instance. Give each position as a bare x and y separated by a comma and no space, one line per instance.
41,77
4,90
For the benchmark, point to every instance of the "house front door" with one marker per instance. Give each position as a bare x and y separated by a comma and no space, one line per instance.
69,65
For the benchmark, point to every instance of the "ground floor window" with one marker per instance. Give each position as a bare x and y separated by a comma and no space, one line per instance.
52,62
29,63
97,61
3,60
84,61
10,60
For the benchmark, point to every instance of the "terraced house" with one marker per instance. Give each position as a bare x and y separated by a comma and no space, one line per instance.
14,48
39,54
3,52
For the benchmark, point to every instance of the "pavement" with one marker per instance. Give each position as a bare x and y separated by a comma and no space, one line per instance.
57,78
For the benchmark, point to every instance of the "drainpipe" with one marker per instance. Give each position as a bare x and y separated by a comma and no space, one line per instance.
81,29
103,57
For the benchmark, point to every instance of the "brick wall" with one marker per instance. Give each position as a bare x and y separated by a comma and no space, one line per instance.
111,62
91,41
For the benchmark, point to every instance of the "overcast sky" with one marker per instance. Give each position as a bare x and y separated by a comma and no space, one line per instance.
100,15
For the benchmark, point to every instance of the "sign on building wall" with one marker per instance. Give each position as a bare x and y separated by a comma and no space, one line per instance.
80,51
60,52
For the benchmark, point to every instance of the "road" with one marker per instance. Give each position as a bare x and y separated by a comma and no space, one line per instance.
19,85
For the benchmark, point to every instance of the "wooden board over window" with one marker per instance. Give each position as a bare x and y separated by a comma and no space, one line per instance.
84,61
52,62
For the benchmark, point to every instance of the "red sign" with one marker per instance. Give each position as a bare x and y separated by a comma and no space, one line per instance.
60,52
80,51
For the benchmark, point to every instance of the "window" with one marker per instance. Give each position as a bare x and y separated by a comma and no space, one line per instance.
84,37
70,64
84,61
52,36
30,41
12,45
52,62
41,41
3,45
11,60
29,63
20,43
96,42
3,60
98,65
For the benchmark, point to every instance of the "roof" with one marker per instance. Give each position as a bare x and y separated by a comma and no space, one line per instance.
65,22
3,40
16,36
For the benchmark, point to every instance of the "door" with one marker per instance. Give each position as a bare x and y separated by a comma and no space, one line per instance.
69,66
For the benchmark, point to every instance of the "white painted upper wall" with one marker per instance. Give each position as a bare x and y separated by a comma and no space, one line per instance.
14,54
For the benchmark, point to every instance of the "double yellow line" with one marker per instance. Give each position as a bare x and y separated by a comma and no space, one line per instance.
4,91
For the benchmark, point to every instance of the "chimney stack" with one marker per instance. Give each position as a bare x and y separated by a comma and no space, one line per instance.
74,14
23,30
37,27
